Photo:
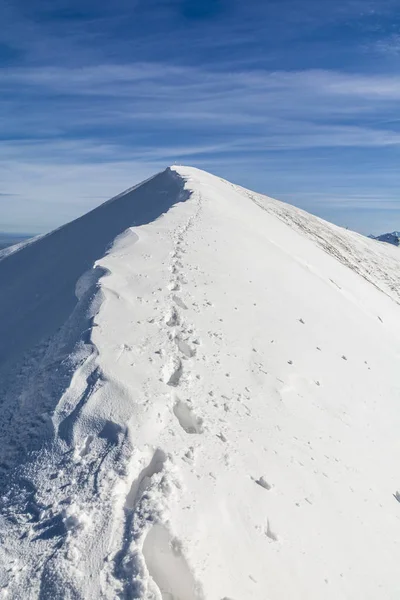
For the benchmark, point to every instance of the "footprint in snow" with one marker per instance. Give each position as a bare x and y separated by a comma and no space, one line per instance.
173,286
262,482
189,455
173,372
184,348
172,318
179,302
270,533
187,419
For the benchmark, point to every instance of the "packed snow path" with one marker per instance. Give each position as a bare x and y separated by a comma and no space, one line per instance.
199,401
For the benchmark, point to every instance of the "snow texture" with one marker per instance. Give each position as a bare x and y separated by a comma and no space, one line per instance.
199,393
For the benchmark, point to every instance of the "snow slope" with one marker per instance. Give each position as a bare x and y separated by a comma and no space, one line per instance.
199,401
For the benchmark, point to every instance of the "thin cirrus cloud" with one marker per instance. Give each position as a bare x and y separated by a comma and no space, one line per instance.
122,115
311,104
100,96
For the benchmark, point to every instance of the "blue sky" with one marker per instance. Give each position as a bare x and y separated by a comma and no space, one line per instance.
299,100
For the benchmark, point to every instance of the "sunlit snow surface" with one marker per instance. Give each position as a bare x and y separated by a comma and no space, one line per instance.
200,400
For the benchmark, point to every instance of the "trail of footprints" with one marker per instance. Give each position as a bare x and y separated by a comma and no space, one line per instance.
179,336
183,350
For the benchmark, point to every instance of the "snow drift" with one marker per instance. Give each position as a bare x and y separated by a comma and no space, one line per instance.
199,401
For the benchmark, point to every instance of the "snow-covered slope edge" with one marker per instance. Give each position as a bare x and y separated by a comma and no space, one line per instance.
350,248
221,407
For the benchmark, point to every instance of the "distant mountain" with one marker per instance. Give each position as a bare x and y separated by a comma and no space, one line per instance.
390,238
9,239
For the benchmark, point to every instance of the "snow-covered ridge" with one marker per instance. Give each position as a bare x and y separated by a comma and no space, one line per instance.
199,400
350,248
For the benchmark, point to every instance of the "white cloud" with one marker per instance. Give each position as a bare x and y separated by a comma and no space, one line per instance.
84,134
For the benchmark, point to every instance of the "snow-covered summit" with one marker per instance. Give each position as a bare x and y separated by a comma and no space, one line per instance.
199,401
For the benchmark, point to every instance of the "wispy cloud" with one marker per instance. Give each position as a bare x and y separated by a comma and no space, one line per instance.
388,45
139,118
103,112
99,96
